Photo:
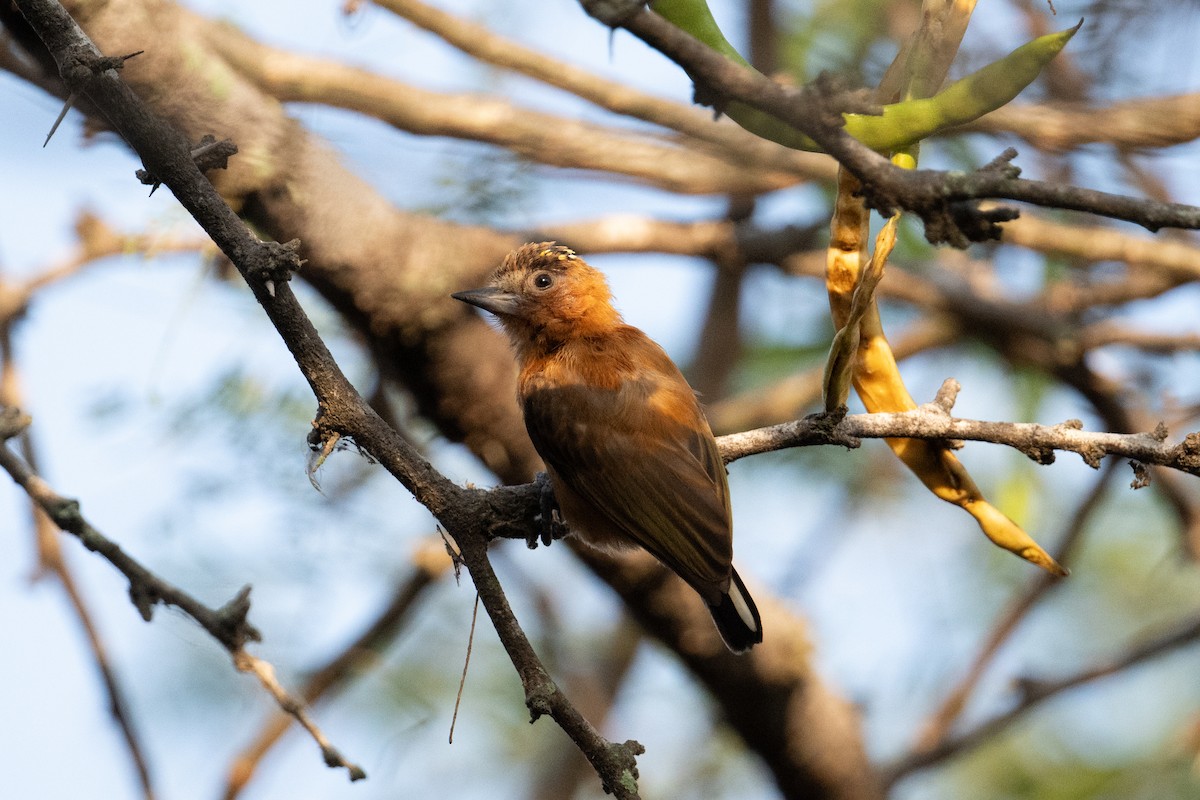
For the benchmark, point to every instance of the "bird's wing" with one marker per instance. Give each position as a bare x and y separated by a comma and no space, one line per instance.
657,480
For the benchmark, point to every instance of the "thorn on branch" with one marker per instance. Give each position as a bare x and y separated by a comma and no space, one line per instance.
275,264
105,63
613,13
455,553
144,599
208,154
147,178
61,116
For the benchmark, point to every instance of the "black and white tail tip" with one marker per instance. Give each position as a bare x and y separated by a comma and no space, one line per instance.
737,617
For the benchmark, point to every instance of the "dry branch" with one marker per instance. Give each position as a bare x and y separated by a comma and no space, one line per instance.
51,559
345,666
935,729
1141,123
733,144
933,421
1035,691
228,625
941,199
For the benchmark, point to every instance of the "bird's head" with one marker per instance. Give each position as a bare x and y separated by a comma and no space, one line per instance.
543,294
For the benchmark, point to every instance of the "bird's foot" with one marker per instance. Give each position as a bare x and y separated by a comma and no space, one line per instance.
550,525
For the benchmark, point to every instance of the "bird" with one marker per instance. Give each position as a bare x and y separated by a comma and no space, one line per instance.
628,451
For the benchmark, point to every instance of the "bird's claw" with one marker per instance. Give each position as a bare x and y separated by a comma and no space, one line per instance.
550,525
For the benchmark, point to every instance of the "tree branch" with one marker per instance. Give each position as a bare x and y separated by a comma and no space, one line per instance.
51,560
354,660
515,508
938,197
936,728
1136,124
933,421
1036,691
533,135
734,144
228,625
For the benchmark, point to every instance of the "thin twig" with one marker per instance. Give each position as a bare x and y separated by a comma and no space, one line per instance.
1035,692
616,764
462,681
352,662
562,771
52,561
930,421
265,672
228,624
937,727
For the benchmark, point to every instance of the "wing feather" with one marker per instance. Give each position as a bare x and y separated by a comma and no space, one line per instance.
655,479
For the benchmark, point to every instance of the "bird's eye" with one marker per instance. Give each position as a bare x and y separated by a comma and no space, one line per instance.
543,280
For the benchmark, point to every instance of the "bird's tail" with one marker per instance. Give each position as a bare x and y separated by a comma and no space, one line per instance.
737,617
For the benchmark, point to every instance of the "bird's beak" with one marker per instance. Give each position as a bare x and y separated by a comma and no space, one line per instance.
489,298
